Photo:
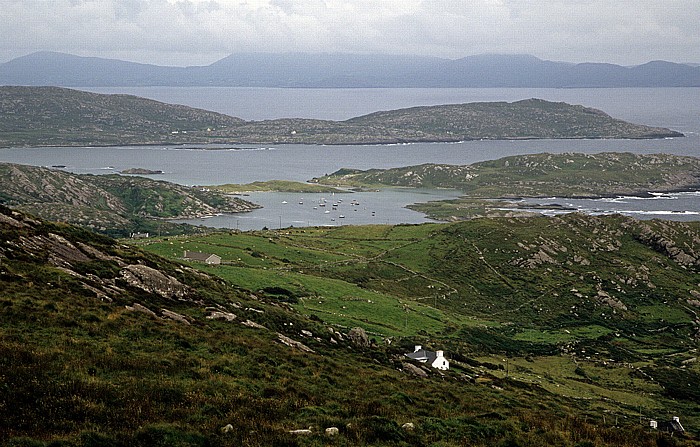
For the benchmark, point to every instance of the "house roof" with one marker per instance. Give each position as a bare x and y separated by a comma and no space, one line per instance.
423,354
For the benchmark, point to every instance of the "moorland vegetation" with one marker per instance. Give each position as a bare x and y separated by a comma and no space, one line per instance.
571,331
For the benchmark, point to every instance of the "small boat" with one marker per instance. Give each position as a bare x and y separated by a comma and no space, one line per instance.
301,202
341,216
284,202
326,212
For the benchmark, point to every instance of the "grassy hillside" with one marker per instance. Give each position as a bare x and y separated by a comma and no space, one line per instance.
599,310
540,175
113,204
52,116
104,344
108,345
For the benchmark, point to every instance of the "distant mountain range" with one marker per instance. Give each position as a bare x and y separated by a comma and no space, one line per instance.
307,70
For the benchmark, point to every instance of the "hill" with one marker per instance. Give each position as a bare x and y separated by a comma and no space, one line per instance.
113,204
601,310
540,175
308,70
51,116
105,344
536,175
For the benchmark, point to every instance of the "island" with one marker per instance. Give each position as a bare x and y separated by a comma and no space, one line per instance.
276,186
490,186
141,171
54,116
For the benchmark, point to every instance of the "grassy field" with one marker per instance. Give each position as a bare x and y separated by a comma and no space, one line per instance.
580,306
102,343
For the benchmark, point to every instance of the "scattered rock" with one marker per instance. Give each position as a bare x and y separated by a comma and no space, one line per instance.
174,316
605,298
332,431
306,333
413,369
253,324
358,337
303,431
143,309
293,343
153,281
408,426
219,315
228,428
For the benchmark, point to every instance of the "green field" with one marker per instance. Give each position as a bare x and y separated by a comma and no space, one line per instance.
571,331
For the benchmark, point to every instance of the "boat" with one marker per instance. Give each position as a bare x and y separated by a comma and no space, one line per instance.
341,216
284,202
326,212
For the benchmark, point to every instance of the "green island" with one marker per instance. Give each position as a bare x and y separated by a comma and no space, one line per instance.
276,186
571,331
488,185
53,116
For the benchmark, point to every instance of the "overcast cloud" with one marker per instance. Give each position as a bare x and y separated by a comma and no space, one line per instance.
198,32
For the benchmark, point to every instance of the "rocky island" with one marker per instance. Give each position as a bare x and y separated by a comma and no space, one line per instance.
53,116
485,185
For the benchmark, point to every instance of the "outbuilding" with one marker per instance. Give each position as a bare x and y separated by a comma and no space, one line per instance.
207,258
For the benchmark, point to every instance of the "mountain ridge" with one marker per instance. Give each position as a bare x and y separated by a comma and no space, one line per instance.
338,70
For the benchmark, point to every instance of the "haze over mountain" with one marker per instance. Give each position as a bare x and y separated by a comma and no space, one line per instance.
335,70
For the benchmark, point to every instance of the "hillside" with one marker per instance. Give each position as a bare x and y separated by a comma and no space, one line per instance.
105,344
537,175
113,204
599,310
334,70
51,116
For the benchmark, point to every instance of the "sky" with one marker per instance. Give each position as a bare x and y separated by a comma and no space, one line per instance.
199,32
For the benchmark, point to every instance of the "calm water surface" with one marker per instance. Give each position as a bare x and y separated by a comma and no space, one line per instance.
678,109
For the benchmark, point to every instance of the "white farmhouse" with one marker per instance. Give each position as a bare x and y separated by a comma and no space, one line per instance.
436,359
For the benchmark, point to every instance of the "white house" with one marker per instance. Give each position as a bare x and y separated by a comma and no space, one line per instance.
436,359
207,258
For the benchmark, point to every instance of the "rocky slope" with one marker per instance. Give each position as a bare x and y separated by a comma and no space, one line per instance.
541,175
110,203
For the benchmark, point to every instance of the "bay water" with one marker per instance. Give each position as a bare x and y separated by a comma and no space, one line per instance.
675,108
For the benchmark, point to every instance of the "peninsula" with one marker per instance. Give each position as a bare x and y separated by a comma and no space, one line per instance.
118,205
53,116
537,175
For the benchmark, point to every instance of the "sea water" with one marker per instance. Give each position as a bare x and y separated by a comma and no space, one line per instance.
675,108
